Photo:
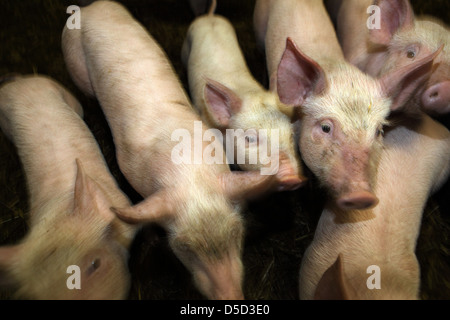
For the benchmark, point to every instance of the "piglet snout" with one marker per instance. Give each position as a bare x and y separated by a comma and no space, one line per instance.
289,179
437,98
360,200
291,183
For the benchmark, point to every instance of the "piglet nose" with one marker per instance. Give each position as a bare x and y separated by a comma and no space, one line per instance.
437,98
360,200
288,176
291,183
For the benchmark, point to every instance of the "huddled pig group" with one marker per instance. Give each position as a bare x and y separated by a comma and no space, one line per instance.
355,108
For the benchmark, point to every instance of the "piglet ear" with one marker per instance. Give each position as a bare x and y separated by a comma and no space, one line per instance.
298,76
395,15
333,285
222,103
8,254
157,209
401,84
89,198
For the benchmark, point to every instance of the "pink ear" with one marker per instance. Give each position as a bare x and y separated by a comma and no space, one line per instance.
89,198
395,15
400,85
7,256
222,103
298,76
333,285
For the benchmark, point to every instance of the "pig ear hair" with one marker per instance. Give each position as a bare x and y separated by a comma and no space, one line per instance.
333,285
395,15
298,76
401,84
7,256
246,185
89,198
154,209
221,102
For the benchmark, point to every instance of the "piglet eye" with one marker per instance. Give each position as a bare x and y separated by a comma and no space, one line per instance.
326,128
251,139
411,54
94,265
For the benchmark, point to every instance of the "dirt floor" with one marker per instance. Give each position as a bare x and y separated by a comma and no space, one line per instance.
279,227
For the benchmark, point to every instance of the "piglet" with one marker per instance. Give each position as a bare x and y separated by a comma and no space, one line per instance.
154,128
371,254
227,96
343,110
71,191
399,40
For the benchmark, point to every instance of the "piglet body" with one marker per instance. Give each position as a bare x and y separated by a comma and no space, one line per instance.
401,40
228,97
342,110
115,58
71,191
385,236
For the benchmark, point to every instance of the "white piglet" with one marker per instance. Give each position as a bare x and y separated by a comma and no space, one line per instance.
154,125
228,97
371,254
400,39
343,110
71,192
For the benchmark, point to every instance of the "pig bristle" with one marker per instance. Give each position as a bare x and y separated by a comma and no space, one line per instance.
428,32
205,227
349,104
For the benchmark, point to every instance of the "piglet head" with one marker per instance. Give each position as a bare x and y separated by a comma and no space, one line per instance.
339,132
342,119
73,253
204,227
406,41
210,245
204,232
262,135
